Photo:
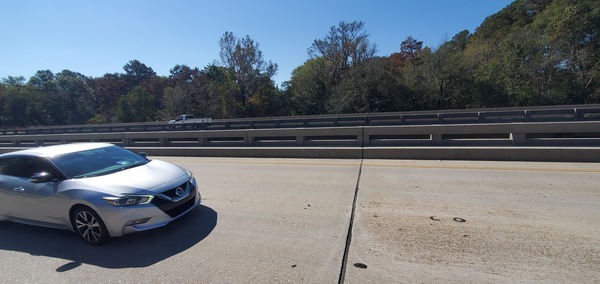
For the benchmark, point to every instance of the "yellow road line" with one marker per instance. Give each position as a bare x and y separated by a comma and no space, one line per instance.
285,163
533,169
367,164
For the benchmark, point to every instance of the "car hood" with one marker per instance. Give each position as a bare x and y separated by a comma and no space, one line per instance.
154,177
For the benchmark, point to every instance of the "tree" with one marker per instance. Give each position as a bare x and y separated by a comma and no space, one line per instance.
221,93
245,60
415,63
447,75
109,88
78,96
372,86
14,101
180,94
183,74
538,52
409,51
136,106
574,37
46,106
177,101
137,72
308,88
344,45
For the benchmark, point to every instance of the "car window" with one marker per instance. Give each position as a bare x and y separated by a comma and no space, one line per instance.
24,167
97,162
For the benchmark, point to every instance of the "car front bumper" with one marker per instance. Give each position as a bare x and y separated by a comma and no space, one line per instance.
125,220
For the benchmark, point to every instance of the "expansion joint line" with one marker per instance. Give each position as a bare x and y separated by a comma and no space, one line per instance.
349,235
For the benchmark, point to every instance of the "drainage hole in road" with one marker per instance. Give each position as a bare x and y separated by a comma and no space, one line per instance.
360,265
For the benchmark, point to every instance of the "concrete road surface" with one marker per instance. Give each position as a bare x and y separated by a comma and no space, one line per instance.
476,222
288,221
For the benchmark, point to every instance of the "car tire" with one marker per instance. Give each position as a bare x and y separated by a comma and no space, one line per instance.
89,226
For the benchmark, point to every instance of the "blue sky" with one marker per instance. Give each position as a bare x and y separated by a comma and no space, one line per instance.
99,37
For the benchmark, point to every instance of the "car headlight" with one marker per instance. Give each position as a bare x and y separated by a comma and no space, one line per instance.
191,176
128,200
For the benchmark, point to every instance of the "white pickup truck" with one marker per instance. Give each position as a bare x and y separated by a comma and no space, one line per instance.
189,118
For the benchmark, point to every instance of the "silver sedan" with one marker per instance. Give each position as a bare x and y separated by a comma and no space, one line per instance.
97,190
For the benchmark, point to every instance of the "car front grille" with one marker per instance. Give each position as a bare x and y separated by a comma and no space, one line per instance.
174,209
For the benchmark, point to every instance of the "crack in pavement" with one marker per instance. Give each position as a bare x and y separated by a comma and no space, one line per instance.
349,235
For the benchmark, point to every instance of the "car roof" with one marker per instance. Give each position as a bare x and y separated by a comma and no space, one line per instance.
55,150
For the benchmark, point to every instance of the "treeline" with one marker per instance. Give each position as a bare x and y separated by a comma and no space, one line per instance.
533,52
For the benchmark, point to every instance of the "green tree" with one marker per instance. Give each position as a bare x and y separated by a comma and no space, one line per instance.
14,101
183,74
78,96
574,36
137,72
221,93
46,107
538,52
183,91
178,100
415,63
136,106
445,70
309,88
372,86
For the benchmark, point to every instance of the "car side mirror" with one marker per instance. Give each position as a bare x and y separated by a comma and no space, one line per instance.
41,177
143,154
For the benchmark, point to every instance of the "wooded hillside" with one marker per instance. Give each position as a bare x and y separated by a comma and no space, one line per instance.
533,52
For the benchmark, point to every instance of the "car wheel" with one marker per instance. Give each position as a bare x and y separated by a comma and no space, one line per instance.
89,226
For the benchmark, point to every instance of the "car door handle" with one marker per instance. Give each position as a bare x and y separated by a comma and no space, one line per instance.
18,189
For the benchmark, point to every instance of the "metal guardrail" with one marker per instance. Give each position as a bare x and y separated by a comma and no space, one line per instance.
558,114
573,141
567,134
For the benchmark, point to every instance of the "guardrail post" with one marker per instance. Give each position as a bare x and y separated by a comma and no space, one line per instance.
248,140
480,117
518,139
526,116
440,118
577,114
363,139
436,139
299,141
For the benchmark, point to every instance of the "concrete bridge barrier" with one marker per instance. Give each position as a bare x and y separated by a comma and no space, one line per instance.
551,141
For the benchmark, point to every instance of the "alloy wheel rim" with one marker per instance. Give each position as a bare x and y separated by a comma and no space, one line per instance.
88,226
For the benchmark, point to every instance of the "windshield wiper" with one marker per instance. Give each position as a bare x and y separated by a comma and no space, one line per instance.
132,166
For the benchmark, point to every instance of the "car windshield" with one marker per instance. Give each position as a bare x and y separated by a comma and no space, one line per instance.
97,162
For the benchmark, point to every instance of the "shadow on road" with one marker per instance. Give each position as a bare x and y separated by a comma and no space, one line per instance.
135,250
